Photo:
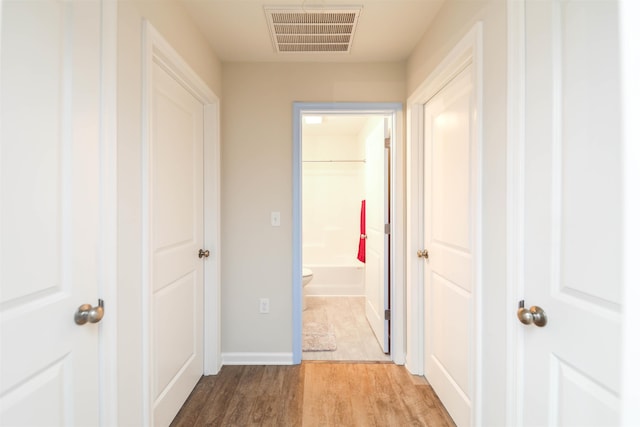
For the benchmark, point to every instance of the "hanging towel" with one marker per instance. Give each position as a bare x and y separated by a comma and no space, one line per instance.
363,233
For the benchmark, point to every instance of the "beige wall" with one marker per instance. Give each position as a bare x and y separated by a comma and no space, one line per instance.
453,21
170,19
257,179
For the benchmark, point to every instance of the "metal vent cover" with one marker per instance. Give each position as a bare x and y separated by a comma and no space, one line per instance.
305,30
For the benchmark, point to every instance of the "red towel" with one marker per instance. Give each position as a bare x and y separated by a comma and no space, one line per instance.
363,233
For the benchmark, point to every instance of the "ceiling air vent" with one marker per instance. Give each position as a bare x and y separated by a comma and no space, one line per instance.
298,30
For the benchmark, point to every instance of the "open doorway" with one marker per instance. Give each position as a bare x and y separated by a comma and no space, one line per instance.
343,249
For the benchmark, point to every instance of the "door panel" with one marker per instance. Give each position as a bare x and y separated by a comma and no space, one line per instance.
174,347
376,273
49,211
176,236
450,344
572,219
449,284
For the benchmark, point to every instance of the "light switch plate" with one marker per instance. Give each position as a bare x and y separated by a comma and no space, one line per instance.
264,305
275,219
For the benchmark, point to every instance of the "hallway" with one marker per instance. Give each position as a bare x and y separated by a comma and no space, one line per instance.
313,394
150,160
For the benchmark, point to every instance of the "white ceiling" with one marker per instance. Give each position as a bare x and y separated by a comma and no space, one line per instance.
388,30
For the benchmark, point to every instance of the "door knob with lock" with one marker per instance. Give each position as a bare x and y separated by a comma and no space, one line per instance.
87,313
535,315
423,254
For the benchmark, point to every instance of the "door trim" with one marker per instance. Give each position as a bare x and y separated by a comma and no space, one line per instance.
397,294
468,51
629,34
515,204
156,48
108,267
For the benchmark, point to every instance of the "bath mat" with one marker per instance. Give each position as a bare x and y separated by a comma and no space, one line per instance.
318,337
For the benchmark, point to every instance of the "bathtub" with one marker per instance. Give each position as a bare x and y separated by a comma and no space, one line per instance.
338,278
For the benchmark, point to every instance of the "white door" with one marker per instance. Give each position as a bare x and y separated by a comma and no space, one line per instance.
572,214
449,226
49,211
377,244
176,236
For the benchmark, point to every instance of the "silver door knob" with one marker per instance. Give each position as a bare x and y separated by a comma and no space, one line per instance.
423,254
535,315
87,313
203,253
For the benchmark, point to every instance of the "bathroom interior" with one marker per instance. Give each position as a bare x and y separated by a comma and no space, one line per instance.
344,196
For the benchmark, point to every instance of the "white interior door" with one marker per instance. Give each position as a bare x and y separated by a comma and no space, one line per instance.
572,214
49,211
377,246
176,236
449,226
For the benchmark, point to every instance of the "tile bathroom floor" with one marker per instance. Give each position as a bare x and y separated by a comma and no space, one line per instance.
354,337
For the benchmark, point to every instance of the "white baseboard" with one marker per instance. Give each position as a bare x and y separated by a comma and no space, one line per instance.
257,358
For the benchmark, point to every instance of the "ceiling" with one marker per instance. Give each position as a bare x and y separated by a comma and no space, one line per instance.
387,30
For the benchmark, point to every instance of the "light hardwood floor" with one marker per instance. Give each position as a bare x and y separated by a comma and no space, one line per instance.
313,394
354,337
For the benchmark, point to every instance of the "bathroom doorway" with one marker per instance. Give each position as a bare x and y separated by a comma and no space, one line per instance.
345,216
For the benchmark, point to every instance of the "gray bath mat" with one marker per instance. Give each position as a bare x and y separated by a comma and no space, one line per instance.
318,337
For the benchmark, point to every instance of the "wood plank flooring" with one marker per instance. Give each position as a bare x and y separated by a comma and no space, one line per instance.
313,394
355,339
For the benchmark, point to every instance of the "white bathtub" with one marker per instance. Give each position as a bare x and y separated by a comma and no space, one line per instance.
346,278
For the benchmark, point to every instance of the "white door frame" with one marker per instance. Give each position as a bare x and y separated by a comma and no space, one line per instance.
468,51
156,48
397,217
629,12
515,200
